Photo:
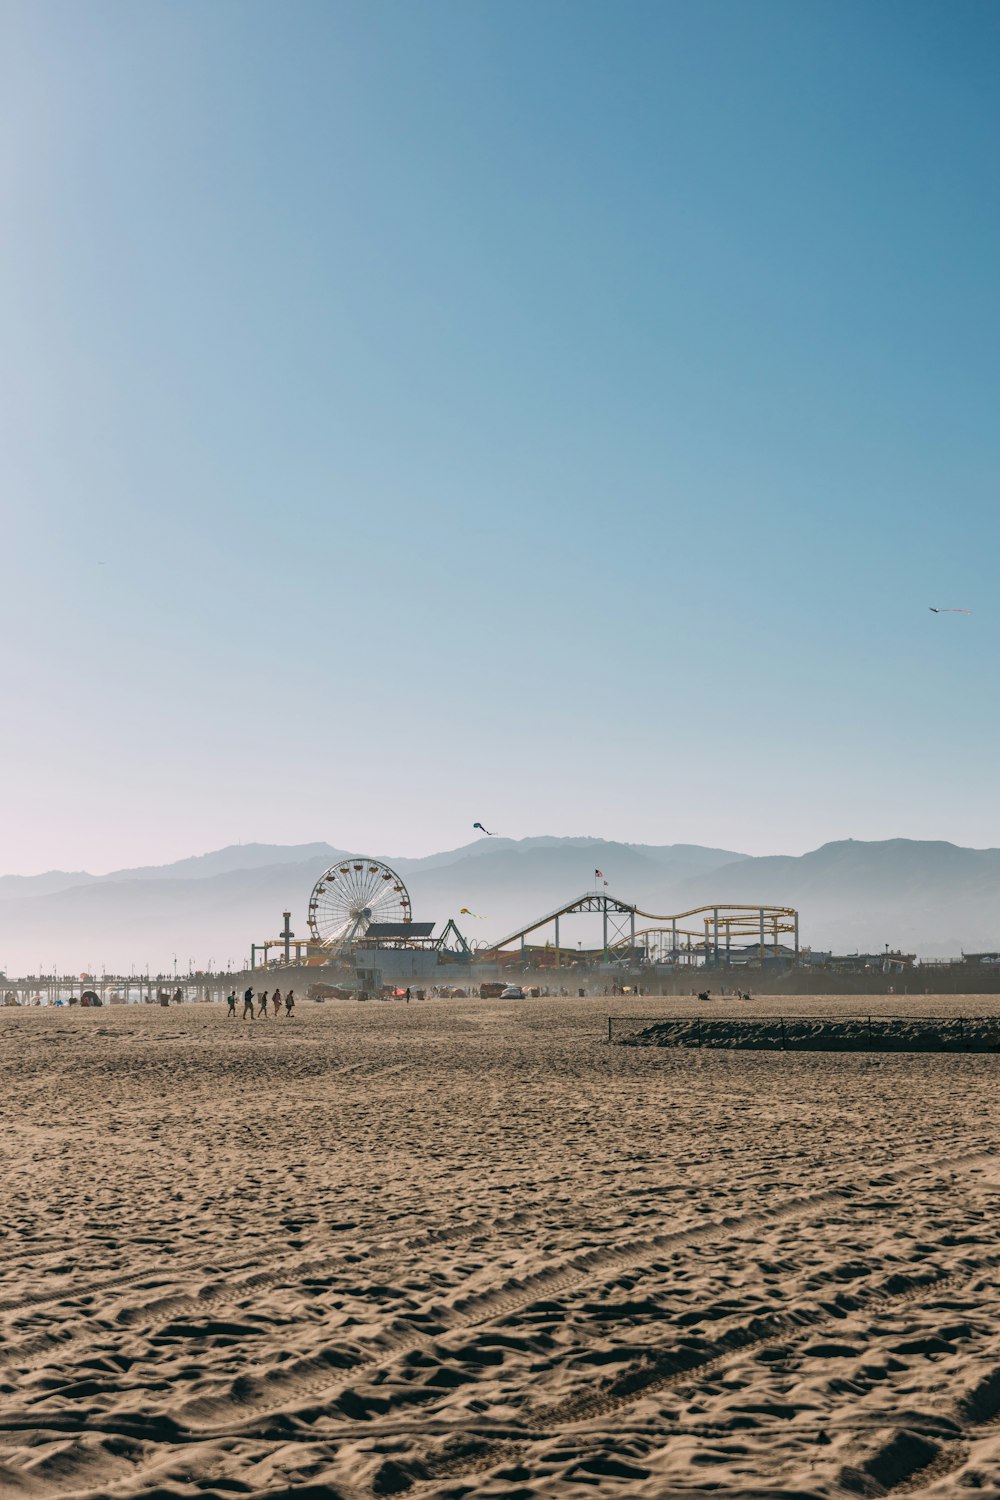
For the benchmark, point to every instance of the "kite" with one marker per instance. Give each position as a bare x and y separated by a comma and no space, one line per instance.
935,611
464,911
484,830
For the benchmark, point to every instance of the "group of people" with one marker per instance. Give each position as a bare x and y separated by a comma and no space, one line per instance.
248,999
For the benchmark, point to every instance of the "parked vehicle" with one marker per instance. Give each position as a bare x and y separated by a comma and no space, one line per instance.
512,992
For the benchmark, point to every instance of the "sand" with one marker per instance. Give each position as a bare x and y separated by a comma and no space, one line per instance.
467,1248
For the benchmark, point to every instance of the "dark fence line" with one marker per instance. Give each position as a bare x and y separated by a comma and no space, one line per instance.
860,1033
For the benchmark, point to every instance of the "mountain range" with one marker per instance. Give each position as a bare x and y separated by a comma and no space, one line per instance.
932,898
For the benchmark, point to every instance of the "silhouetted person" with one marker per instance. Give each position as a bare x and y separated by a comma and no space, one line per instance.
262,1008
231,1002
248,1004
289,1003
276,1001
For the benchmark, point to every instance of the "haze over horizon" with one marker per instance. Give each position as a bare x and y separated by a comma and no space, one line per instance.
554,415
932,898
406,855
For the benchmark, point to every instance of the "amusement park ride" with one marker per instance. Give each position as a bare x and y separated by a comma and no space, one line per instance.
362,904
666,942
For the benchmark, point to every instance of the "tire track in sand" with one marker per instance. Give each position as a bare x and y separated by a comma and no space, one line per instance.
311,1376
666,1373
36,1349
975,1415
281,1426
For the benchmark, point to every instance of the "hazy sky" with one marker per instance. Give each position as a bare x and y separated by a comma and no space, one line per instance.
558,414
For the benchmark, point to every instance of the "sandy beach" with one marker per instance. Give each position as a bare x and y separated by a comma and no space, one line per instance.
467,1248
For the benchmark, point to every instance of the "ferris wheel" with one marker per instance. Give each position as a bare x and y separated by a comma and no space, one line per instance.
349,896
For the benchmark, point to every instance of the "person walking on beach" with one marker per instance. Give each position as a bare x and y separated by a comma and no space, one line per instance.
262,1008
231,1002
276,1001
248,1005
289,1004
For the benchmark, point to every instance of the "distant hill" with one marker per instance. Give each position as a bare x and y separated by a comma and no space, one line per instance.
42,885
214,906
932,898
236,858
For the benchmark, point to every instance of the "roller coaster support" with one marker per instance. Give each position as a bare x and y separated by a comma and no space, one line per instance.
756,925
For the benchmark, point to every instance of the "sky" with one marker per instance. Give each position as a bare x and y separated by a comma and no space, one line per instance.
556,414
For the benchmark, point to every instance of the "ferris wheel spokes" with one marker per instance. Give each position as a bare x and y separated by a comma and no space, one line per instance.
350,895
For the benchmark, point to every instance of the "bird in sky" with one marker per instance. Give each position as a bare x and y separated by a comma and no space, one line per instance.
942,611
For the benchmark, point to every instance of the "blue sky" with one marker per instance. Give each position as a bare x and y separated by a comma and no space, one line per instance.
559,414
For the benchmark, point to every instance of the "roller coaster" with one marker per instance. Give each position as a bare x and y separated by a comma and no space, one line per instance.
726,930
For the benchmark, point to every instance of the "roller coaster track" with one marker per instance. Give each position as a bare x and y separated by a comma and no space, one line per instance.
742,919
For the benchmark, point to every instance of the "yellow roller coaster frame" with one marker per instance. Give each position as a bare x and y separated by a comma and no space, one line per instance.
721,921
